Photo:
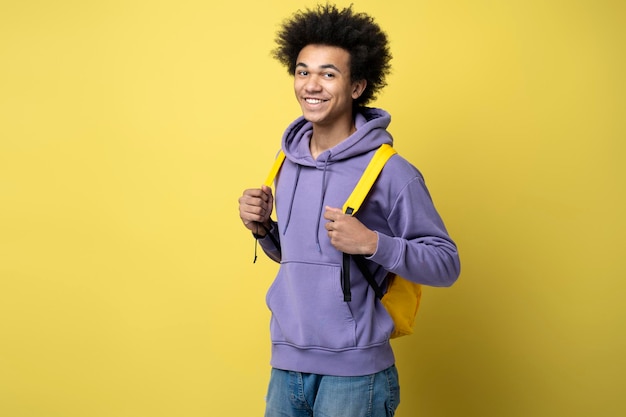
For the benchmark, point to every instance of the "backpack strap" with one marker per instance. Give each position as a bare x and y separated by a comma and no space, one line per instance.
278,162
359,260
352,205
376,164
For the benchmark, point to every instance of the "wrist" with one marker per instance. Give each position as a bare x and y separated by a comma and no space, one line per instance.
372,245
262,230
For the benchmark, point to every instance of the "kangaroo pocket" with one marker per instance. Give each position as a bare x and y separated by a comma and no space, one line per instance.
307,307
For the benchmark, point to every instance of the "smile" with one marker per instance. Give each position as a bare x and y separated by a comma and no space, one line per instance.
314,100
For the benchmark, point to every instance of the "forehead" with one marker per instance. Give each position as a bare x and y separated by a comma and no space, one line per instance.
324,55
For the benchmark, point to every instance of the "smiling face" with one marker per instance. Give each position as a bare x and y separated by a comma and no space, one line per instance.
323,86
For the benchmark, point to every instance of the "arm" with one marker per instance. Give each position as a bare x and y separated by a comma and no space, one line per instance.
416,246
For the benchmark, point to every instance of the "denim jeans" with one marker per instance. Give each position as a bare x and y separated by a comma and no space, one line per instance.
295,394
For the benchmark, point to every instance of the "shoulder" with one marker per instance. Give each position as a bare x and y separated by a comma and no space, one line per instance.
399,179
399,169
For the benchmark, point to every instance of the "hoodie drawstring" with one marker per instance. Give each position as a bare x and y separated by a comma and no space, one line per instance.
321,206
293,197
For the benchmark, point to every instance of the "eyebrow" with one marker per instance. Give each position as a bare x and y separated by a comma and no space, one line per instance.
325,66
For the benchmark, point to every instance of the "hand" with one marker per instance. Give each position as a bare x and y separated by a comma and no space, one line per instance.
255,208
347,234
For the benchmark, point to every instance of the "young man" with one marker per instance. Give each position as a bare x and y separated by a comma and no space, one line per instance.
332,357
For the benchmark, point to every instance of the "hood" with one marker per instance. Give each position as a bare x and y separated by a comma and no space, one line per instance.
371,125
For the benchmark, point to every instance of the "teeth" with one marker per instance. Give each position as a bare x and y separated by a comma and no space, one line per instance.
313,101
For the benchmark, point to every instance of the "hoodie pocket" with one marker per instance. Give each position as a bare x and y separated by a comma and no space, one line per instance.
307,307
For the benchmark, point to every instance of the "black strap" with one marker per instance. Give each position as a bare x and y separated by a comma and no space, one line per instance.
359,260
345,278
345,271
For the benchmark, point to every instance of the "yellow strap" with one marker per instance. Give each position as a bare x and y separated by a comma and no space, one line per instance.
364,185
277,164
368,178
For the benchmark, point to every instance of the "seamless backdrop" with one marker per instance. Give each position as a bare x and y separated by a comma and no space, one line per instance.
128,130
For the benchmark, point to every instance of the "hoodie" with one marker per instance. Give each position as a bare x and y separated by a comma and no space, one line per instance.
313,330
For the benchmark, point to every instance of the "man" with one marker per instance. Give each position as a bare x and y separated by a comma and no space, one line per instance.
332,357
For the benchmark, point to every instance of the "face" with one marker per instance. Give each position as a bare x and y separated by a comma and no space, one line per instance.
323,87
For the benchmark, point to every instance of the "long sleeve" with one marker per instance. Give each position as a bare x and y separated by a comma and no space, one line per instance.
271,243
418,247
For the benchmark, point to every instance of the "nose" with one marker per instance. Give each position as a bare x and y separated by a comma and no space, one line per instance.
312,84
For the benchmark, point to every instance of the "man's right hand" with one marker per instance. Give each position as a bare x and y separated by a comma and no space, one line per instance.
255,208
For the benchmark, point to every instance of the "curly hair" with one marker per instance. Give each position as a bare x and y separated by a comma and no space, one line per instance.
357,33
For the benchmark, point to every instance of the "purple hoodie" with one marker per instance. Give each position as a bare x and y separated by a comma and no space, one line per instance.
312,329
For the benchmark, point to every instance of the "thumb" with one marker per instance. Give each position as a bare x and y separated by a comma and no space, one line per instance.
334,209
332,213
267,190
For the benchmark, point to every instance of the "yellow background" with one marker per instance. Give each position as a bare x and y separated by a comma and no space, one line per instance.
128,129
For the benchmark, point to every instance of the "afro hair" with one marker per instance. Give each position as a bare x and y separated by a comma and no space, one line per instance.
357,33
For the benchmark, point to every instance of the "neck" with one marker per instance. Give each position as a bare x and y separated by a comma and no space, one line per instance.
326,137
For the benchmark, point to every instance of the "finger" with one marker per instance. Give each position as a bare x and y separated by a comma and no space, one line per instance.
256,211
332,213
257,193
267,190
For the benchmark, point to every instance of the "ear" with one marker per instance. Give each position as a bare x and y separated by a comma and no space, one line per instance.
357,88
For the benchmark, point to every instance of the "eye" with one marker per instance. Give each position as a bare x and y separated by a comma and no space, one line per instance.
302,73
329,75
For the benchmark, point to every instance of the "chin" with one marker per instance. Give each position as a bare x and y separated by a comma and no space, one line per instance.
313,118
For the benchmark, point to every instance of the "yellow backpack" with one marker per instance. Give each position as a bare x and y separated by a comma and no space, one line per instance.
402,298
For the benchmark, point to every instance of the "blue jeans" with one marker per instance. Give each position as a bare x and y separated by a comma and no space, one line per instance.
294,394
